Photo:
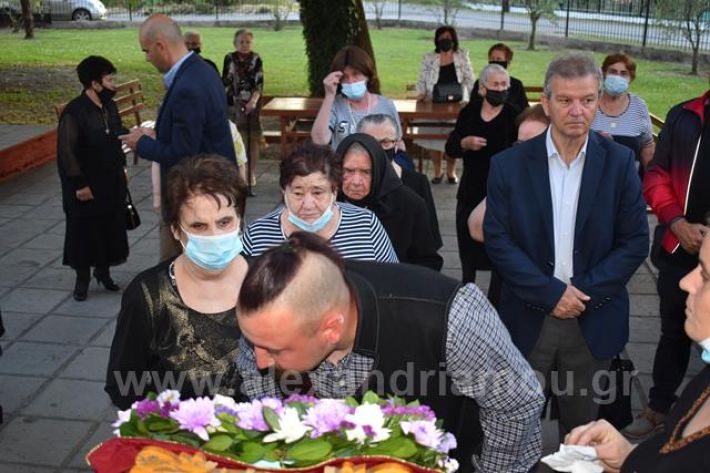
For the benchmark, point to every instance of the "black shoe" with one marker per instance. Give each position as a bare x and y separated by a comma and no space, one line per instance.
437,179
105,280
81,286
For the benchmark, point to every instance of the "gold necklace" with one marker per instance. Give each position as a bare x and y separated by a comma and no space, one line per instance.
676,441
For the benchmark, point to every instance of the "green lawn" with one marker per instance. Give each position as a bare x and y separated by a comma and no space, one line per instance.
36,74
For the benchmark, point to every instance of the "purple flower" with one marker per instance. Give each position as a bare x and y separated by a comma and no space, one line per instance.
302,398
325,416
424,431
250,415
421,412
147,406
447,442
196,415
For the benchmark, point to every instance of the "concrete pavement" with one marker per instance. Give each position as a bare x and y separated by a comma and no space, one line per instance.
56,349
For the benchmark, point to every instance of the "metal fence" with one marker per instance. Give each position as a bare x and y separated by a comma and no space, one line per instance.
631,22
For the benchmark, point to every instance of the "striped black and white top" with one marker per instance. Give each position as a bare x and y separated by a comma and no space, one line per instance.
634,121
360,235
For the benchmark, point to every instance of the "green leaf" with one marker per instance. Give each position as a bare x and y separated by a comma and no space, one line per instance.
371,398
400,447
271,418
309,450
414,403
140,425
158,424
251,452
218,443
351,401
187,438
128,429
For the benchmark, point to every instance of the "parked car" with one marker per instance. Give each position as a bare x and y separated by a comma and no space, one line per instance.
77,10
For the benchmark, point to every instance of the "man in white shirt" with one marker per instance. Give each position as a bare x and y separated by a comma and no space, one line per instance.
566,229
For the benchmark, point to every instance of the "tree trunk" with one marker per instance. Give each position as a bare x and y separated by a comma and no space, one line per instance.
327,27
27,19
362,36
533,30
696,58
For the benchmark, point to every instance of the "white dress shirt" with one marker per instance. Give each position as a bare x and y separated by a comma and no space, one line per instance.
565,182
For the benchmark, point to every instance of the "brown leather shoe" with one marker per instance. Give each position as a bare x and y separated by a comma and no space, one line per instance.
647,423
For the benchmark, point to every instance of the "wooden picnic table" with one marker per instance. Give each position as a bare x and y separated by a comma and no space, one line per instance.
415,117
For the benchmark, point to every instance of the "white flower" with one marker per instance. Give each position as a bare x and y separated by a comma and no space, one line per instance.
368,422
225,401
291,428
123,417
449,465
170,395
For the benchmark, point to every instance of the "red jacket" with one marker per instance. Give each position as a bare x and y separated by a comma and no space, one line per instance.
667,179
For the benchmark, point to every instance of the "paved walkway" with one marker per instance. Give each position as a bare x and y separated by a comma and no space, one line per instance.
56,349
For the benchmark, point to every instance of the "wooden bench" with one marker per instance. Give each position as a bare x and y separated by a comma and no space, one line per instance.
130,102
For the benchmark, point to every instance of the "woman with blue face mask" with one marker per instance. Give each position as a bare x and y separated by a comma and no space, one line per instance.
623,116
309,180
177,319
683,443
351,93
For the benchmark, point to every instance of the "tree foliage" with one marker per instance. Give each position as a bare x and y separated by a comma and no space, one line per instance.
690,18
538,9
327,27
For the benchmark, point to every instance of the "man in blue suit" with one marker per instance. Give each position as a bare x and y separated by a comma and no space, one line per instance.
566,228
193,115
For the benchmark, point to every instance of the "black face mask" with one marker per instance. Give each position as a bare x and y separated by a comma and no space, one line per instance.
390,153
106,95
496,97
444,45
503,64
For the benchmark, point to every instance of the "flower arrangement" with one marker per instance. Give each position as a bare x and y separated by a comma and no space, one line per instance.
296,432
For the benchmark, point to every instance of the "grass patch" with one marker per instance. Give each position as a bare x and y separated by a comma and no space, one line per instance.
36,74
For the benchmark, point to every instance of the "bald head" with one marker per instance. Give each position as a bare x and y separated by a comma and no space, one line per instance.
160,26
161,41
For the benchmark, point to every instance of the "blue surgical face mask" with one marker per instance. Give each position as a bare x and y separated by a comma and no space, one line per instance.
314,227
615,85
706,350
355,90
213,252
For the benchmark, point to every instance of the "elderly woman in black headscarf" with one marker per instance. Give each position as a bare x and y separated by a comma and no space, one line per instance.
369,181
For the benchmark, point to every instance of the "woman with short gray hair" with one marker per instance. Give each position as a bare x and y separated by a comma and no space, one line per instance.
483,128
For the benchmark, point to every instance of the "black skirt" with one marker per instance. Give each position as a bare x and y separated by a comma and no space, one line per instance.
98,241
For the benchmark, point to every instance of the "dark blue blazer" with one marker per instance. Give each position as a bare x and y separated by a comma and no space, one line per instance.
610,241
192,118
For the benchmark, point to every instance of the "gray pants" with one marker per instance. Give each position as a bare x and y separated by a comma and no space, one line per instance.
567,370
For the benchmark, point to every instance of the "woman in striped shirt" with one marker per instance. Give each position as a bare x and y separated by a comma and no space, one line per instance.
621,115
309,179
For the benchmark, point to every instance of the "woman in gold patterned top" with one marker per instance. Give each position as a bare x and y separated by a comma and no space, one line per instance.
176,328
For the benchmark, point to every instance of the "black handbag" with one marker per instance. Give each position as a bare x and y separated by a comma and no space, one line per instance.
615,405
133,220
448,92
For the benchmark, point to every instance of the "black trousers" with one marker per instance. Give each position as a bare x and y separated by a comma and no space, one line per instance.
471,253
673,351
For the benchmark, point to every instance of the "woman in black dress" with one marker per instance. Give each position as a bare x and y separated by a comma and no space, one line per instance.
682,445
484,127
92,170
